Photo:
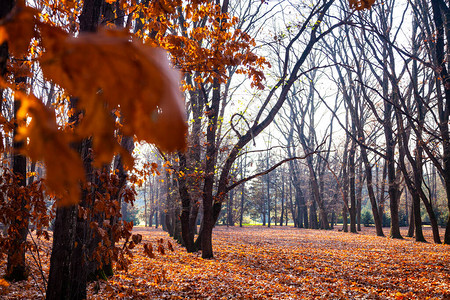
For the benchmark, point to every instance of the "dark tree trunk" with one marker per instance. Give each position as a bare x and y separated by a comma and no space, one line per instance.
313,223
230,219
411,221
345,184
60,276
291,206
59,280
301,217
441,17
333,219
79,268
351,175
413,185
243,164
209,218
5,8
16,269
282,199
359,195
393,189
76,263
188,240
417,218
268,193
241,212
16,266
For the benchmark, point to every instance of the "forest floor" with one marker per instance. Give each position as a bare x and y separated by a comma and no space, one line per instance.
270,263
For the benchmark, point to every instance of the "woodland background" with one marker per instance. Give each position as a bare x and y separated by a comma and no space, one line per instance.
306,114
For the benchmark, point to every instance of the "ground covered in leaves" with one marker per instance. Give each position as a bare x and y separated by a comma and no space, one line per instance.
274,263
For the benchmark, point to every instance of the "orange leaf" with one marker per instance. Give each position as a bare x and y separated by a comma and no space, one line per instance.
19,29
64,170
131,77
361,4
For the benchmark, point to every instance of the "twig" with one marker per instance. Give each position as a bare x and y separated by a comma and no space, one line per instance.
229,188
38,262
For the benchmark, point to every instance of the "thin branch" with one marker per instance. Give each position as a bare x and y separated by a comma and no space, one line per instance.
230,187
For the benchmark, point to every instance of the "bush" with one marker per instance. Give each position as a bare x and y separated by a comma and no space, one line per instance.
367,218
442,217
386,220
403,219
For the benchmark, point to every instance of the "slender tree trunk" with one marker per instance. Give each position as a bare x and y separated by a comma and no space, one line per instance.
243,163
241,212
185,206
351,175
345,179
16,266
441,13
359,194
282,198
392,174
230,221
291,206
209,219
16,269
146,217
411,221
268,192
70,253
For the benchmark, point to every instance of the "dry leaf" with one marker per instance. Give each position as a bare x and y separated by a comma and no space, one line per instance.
19,29
361,4
132,78
64,170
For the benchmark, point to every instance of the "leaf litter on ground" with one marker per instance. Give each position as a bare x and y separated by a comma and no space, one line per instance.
269,263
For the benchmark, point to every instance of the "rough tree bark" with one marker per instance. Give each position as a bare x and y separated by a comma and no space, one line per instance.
16,269
441,12
68,252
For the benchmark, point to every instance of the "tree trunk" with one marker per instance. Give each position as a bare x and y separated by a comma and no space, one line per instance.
351,175
241,212
16,266
359,195
59,279
16,269
83,233
209,219
268,195
411,221
76,263
188,240
313,223
282,198
392,174
230,221
345,184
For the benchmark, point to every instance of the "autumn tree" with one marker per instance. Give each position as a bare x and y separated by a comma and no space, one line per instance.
18,227
291,71
75,251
